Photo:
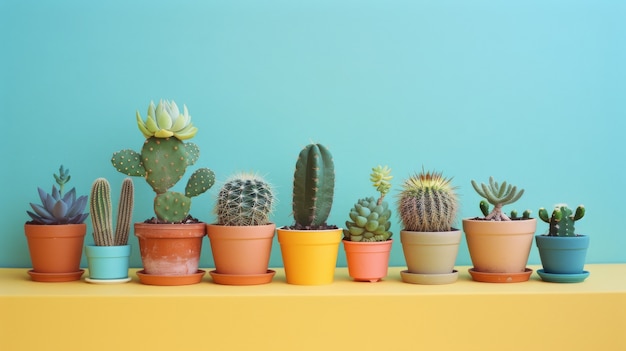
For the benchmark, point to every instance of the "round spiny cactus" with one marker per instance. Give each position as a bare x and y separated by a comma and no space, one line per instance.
369,218
245,199
427,203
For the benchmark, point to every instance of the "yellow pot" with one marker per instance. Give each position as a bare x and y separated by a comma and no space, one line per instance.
309,256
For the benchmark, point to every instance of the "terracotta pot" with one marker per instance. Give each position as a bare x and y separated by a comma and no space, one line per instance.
367,261
241,249
55,250
309,256
170,249
499,246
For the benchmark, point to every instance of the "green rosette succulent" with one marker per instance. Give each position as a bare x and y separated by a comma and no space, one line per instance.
370,218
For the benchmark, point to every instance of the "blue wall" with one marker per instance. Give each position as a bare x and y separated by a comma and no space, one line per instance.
533,92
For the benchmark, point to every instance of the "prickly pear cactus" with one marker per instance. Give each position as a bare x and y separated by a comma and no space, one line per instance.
562,220
313,187
245,200
370,218
164,158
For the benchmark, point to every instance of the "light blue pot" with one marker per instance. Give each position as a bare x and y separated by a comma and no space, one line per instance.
562,255
108,262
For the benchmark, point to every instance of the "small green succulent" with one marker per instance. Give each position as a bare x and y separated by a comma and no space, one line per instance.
370,218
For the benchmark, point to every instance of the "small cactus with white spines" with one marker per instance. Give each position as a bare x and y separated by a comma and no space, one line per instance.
562,219
102,218
428,203
245,200
370,218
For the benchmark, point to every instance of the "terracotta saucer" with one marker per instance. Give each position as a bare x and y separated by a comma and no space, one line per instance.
242,279
55,277
487,277
562,278
429,279
107,281
170,280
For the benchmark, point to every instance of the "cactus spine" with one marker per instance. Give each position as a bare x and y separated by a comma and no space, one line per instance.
163,160
313,187
428,203
498,195
245,200
101,213
370,218
562,219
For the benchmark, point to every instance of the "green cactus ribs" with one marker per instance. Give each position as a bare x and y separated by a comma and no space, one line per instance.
313,187
562,220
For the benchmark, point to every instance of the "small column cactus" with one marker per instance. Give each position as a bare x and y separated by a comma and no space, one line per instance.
370,218
428,203
102,218
245,200
164,158
313,187
498,195
562,219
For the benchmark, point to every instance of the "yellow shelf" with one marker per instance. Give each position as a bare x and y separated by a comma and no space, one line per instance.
387,315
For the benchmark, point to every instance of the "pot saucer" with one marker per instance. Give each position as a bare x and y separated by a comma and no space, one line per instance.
55,277
429,279
170,280
487,277
107,281
242,279
562,278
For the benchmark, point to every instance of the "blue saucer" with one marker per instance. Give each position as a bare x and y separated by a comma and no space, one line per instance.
562,278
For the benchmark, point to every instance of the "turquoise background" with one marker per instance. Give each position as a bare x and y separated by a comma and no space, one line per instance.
532,92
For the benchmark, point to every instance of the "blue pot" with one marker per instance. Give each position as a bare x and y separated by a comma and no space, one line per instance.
108,262
562,255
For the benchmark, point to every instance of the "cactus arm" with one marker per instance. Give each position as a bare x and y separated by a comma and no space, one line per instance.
128,162
100,208
543,215
484,207
200,181
124,213
580,212
193,153
171,206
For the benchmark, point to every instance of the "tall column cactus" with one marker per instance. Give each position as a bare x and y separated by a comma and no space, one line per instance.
313,187
101,213
164,158
562,219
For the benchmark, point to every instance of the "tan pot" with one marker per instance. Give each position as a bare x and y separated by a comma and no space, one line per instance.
241,249
499,246
430,252
55,251
170,249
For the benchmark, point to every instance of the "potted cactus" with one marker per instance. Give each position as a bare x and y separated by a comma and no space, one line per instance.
107,260
309,248
170,244
499,244
428,206
241,240
56,233
367,239
561,250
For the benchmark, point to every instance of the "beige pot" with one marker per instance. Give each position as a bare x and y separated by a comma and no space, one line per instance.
430,252
499,246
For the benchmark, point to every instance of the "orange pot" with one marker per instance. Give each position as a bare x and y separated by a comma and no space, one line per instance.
367,261
241,249
170,249
499,246
56,248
